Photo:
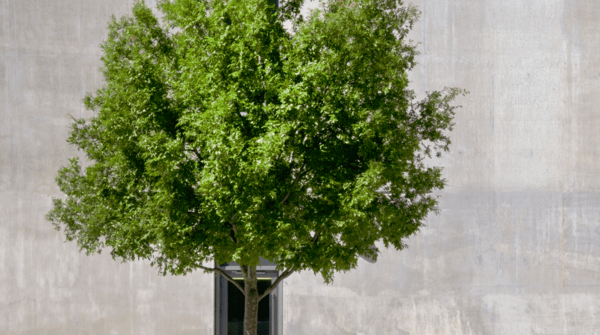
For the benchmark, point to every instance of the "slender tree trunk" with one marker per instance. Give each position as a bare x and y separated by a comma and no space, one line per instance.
251,306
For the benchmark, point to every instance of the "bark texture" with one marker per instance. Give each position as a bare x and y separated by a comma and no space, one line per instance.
252,299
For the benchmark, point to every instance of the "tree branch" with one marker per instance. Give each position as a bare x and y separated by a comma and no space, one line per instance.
232,237
286,197
283,276
233,232
245,271
315,239
300,175
288,272
221,272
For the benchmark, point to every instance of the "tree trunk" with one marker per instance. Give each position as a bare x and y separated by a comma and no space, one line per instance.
251,306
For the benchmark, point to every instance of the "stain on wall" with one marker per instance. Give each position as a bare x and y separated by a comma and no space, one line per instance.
515,249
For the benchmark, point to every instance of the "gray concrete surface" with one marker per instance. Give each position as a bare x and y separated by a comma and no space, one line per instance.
515,250
49,57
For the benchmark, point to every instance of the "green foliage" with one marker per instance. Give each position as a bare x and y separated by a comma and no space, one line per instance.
219,135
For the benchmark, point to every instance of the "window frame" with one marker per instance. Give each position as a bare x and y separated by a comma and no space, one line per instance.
265,270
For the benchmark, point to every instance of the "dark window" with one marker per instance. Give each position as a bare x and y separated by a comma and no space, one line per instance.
235,308
229,301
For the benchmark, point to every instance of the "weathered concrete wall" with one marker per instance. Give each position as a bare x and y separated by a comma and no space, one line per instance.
49,58
516,249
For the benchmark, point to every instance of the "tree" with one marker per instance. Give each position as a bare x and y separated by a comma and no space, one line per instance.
221,136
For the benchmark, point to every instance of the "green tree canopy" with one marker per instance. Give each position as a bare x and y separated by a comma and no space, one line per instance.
220,135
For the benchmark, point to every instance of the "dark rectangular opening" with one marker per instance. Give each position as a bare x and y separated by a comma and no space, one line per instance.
235,308
229,301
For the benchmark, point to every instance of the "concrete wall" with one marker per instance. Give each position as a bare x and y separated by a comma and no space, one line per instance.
49,57
516,249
